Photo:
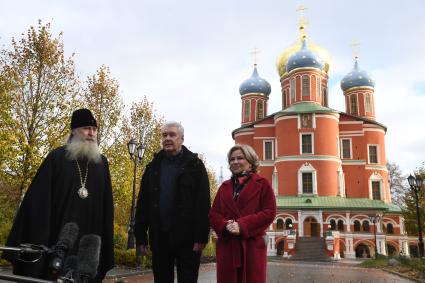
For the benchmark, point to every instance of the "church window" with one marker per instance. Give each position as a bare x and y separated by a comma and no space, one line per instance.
325,97
318,88
353,104
260,109
365,226
268,150
376,190
284,99
247,109
293,89
356,226
340,225
373,154
307,183
306,85
288,223
306,143
346,148
279,224
390,228
367,103
333,224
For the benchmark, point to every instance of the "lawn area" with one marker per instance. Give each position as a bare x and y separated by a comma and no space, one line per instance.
413,268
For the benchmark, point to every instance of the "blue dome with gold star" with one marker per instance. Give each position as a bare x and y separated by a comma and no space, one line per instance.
304,58
255,84
357,78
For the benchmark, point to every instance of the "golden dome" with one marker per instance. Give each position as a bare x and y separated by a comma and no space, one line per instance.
282,60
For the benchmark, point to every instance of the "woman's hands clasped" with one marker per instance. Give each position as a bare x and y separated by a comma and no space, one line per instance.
233,227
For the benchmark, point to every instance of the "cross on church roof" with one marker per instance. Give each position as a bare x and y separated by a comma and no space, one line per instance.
254,55
356,48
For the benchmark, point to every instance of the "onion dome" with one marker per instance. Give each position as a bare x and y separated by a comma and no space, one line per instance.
282,60
357,78
255,84
304,58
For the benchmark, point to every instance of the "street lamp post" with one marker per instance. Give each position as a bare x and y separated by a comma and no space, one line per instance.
375,219
136,152
415,185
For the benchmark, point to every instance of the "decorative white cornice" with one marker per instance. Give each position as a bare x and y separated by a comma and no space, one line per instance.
307,158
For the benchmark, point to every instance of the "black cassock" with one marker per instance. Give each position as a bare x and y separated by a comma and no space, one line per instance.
52,200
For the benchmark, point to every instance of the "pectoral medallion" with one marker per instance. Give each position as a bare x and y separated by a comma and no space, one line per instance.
83,193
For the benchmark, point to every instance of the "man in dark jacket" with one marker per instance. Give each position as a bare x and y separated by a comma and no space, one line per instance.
172,208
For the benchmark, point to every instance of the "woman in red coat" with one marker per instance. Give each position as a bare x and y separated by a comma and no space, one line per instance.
243,209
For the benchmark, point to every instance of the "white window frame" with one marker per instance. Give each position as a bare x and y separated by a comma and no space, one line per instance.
301,142
272,149
307,168
377,153
342,148
376,177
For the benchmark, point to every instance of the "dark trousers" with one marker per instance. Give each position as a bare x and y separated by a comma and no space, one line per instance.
166,256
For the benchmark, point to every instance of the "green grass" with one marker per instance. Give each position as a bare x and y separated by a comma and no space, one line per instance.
411,267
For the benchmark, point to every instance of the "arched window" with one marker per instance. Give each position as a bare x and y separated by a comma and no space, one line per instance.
288,223
306,85
353,104
365,226
260,109
325,97
279,224
318,89
292,89
367,102
340,225
333,224
284,99
390,228
247,109
357,226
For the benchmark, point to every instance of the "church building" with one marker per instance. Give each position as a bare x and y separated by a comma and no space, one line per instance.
327,167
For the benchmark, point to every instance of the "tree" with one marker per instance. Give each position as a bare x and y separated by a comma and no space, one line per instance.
398,184
409,209
143,125
43,87
102,97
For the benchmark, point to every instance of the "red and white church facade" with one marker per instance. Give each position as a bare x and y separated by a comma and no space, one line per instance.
327,167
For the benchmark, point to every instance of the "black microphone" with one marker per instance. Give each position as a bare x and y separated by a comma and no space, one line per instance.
69,268
88,257
65,243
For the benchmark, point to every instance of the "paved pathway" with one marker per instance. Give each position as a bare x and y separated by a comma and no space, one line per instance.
298,272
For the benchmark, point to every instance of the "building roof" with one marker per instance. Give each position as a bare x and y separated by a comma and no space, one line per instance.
304,58
307,107
333,203
357,78
255,84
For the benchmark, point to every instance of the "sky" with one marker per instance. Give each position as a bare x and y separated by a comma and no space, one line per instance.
190,57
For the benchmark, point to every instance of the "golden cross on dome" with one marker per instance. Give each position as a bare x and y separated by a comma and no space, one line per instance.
254,54
303,21
356,48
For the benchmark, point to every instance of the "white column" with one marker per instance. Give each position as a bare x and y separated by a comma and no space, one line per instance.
380,242
347,220
349,246
300,224
321,222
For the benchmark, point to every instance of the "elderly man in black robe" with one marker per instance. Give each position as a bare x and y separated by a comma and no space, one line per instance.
73,184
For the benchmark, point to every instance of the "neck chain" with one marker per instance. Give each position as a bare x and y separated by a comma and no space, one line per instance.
82,191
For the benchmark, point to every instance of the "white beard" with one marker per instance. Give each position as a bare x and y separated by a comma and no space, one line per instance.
78,148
